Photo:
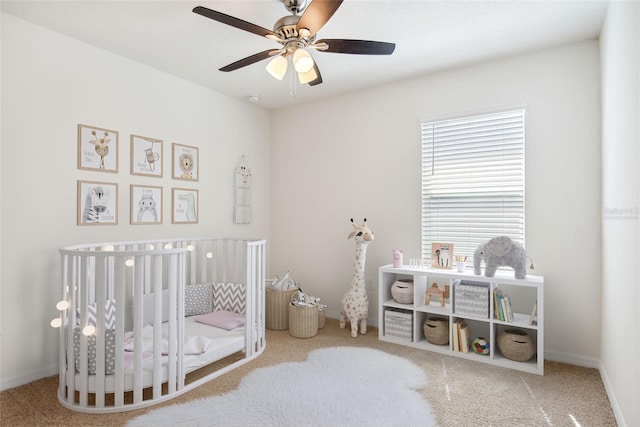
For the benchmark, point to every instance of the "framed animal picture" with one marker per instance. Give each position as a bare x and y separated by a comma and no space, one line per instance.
442,255
146,156
97,149
146,204
184,207
97,203
185,162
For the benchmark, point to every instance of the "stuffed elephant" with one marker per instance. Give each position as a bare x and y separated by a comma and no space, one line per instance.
500,251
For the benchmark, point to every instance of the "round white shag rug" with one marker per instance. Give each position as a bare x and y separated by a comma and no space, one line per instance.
334,387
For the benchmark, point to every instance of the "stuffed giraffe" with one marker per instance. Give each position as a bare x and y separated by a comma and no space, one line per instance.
355,304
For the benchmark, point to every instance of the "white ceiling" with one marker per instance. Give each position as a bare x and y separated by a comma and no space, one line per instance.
429,36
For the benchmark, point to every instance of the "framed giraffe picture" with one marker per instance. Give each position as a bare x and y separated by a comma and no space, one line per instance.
97,149
97,203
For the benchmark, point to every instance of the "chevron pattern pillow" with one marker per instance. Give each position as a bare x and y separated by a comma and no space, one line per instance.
109,314
230,297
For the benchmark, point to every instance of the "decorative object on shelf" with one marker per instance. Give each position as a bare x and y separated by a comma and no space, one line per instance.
185,206
516,344
97,203
435,291
146,204
242,193
146,156
402,291
497,252
97,149
480,346
397,258
460,263
436,330
185,162
355,304
442,255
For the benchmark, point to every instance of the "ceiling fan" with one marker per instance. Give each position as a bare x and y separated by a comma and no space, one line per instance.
297,33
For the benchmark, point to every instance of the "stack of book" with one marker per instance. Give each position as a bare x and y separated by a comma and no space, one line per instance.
502,306
460,332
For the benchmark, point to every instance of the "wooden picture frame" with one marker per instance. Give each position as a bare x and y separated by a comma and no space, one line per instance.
184,206
146,156
146,204
442,255
97,203
97,149
185,162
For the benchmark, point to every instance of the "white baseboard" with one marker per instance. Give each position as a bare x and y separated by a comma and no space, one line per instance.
572,359
336,315
16,381
612,396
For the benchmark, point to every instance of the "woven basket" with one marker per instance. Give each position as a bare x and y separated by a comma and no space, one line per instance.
303,321
321,318
516,344
276,313
436,330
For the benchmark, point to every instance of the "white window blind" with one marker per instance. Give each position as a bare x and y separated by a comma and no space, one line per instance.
473,180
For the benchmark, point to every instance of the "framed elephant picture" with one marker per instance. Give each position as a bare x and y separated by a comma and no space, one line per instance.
442,255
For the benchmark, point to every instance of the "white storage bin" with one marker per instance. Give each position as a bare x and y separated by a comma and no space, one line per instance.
471,299
398,324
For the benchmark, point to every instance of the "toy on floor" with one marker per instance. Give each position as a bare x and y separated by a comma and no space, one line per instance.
435,291
355,304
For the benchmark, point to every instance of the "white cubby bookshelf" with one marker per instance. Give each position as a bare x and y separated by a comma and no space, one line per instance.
524,294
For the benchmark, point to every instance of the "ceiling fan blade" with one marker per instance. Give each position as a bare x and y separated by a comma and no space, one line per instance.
250,60
357,47
318,79
232,21
317,14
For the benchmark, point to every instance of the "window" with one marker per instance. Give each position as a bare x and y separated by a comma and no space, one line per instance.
473,180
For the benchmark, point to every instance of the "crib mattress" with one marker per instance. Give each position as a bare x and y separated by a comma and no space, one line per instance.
223,343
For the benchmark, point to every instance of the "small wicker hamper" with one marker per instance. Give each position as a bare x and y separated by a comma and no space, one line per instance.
276,309
303,321
436,330
516,344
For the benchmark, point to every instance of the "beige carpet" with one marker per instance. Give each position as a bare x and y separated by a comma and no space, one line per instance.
461,393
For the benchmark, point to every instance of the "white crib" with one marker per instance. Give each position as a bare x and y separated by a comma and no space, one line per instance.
124,333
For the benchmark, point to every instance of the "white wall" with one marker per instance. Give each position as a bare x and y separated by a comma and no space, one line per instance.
359,156
50,84
620,52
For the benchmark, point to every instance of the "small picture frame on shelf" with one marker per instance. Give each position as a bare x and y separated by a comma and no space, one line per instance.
442,255
97,149
146,156
184,207
146,204
97,203
185,162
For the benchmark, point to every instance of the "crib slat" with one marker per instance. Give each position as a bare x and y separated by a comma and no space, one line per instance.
119,295
157,326
138,293
100,288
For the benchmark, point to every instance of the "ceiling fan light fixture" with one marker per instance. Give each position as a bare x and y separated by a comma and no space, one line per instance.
302,61
277,67
307,77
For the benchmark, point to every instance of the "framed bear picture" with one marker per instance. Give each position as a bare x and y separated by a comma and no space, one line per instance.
185,162
146,204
